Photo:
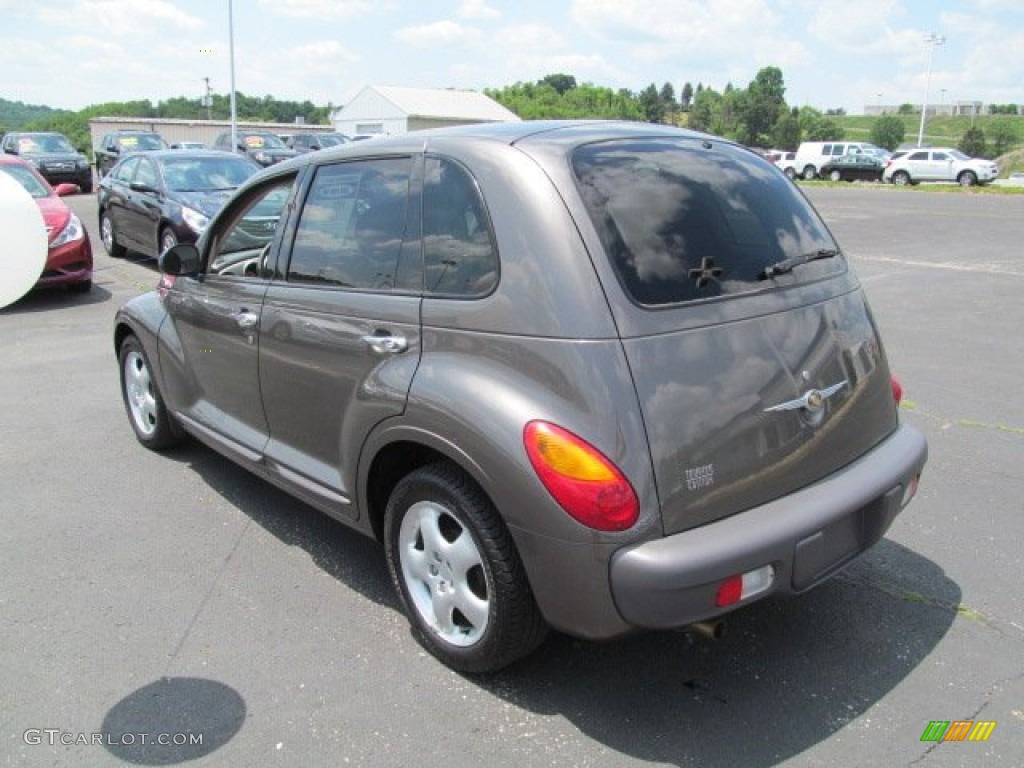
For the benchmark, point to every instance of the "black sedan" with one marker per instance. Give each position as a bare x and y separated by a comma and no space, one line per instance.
148,202
862,167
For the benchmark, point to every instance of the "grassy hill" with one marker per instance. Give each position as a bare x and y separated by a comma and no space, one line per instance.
938,131
14,115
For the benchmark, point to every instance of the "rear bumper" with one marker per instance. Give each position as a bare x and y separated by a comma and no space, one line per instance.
806,537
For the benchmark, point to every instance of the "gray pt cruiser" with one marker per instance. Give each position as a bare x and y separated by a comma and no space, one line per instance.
592,376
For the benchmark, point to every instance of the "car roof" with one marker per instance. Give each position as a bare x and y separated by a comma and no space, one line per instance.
183,154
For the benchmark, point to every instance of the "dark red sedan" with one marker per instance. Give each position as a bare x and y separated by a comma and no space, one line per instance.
69,260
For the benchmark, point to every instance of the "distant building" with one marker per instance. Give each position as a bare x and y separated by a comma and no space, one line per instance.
967,108
391,110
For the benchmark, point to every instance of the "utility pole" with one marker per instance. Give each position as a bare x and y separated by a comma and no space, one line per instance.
208,100
932,40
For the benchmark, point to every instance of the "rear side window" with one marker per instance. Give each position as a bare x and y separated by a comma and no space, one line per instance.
683,220
459,258
352,224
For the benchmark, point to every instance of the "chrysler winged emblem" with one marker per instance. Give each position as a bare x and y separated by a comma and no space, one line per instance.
811,401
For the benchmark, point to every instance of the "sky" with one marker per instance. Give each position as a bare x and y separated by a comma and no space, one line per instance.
833,53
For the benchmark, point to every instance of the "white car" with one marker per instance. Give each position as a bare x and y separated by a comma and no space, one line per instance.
939,164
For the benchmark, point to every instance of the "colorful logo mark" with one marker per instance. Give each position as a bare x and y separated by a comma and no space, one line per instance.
958,730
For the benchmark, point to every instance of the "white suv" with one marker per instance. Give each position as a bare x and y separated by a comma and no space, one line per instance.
940,164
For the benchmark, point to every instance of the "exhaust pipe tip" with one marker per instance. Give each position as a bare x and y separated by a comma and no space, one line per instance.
714,630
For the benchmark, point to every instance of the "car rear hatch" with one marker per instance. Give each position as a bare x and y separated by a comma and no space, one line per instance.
756,362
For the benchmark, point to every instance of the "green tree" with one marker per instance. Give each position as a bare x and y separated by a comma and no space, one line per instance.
764,102
973,142
706,112
888,132
559,82
651,105
686,96
906,109
1003,138
786,132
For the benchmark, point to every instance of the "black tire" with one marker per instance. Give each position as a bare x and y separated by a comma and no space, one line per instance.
790,173
967,179
143,402
167,239
86,188
83,287
901,179
482,618
110,244
810,173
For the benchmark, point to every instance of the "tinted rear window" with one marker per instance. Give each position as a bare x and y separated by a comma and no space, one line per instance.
683,219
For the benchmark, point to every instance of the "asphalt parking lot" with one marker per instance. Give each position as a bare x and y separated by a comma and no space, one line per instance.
145,594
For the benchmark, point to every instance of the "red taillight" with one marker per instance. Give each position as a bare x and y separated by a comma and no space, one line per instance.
729,591
585,483
897,390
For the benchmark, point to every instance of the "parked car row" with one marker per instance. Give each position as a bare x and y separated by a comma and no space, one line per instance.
852,161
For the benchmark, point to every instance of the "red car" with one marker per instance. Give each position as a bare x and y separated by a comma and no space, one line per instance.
69,261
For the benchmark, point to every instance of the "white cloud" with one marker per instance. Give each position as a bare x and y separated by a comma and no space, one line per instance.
121,17
324,53
477,9
440,34
517,37
318,9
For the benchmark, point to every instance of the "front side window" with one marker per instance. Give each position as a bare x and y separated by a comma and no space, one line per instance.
126,170
352,225
146,174
241,243
459,257
683,220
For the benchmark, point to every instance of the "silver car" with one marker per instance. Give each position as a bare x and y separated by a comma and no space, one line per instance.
592,376
939,164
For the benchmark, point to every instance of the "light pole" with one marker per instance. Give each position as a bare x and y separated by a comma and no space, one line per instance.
231,45
932,40
879,103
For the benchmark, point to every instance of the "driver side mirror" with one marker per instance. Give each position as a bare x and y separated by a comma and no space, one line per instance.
180,259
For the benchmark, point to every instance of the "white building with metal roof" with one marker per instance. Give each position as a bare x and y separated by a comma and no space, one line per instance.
391,110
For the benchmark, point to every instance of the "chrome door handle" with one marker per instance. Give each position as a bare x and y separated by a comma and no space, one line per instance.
386,345
247,320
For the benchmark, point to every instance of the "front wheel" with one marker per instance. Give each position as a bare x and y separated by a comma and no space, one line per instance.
457,571
967,179
142,399
167,240
835,176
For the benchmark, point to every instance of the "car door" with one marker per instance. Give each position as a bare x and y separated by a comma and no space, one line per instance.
211,336
142,207
340,330
116,200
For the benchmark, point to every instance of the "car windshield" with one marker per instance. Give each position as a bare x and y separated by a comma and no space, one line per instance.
141,141
205,174
27,179
327,140
958,154
685,220
262,141
44,143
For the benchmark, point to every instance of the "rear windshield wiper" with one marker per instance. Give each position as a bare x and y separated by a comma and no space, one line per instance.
787,265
